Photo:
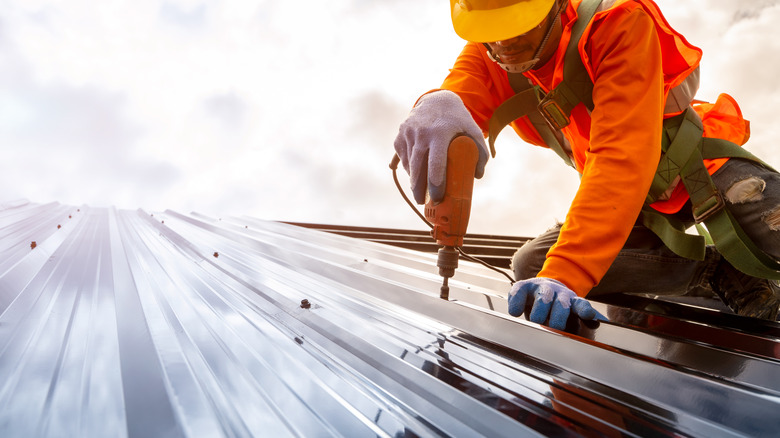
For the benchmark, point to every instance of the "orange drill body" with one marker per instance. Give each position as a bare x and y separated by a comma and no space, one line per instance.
450,217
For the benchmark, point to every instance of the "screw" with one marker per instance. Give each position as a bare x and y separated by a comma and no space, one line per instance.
59,226
216,254
305,304
33,245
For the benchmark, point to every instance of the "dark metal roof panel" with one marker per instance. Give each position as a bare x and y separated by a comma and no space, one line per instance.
126,323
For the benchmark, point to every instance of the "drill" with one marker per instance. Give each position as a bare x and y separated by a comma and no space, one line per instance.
450,217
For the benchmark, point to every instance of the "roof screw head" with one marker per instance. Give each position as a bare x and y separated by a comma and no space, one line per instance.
33,245
59,226
216,254
70,216
305,304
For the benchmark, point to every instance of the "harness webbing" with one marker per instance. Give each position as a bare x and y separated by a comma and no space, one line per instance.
683,150
576,85
709,207
548,114
526,101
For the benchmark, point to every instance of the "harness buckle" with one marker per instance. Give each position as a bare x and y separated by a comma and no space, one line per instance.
553,112
708,208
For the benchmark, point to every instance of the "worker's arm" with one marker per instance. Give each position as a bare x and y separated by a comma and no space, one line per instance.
625,143
469,95
483,86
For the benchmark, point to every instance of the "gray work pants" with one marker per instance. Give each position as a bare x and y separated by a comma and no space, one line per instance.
646,265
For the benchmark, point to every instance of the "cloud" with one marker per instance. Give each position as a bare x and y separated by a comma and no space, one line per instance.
76,145
257,108
748,10
376,117
70,143
181,14
229,109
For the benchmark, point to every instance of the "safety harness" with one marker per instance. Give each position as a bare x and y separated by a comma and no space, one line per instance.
683,150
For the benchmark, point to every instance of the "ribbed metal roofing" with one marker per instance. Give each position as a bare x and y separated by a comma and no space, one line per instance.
130,323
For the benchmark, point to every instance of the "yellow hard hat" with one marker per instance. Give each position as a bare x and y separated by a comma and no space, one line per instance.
486,21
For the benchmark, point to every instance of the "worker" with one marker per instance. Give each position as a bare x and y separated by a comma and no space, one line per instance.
625,230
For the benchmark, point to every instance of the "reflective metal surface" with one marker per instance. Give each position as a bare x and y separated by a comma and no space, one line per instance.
132,323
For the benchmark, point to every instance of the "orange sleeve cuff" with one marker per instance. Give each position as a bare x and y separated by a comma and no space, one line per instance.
568,273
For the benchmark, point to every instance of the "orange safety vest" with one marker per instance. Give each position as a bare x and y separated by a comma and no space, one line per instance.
638,65
723,119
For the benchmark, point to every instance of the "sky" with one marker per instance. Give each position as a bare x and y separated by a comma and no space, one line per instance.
288,110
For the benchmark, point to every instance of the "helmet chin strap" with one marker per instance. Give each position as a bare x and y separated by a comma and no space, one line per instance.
530,64
516,68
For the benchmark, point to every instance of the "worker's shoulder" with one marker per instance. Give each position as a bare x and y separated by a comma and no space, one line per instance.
623,21
623,12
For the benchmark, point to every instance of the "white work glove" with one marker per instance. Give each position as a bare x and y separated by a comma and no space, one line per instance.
425,136
552,302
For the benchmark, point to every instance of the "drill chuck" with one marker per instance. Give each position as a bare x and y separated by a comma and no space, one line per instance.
447,263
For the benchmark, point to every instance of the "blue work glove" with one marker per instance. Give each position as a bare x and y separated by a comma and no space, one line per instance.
551,300
425,136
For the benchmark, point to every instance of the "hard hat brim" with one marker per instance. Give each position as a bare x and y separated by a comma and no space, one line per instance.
490,25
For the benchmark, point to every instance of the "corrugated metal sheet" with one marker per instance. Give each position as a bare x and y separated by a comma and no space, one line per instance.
128,323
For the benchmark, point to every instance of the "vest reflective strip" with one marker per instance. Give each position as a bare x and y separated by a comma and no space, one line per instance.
681,96
606,4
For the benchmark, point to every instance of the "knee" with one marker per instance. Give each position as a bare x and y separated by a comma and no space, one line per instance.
527,261
750,189
772,219
753,190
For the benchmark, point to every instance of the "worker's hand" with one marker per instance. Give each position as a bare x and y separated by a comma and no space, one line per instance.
425,136
552,301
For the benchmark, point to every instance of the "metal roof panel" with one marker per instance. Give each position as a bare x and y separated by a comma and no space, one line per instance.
128,323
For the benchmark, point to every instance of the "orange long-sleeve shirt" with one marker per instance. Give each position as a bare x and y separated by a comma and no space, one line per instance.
634,59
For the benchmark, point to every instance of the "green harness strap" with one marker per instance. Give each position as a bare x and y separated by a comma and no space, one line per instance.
549,114
683,151
527,99
681,137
